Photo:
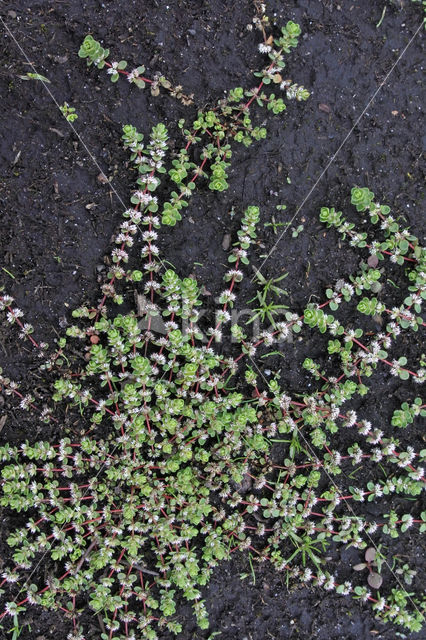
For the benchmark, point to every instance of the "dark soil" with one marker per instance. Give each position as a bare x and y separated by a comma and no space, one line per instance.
58,218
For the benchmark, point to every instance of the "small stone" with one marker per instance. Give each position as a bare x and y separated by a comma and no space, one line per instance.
58,133
378,319
60,59
102,178
226,242
324,107
245,485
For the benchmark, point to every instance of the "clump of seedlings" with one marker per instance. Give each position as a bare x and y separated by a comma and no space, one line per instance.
373,562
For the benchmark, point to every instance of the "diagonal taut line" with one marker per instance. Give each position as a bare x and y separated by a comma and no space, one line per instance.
95,162
84,145
342,144
46,86
346,503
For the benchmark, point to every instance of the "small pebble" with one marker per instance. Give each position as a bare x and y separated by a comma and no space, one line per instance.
226,242
60,59
324,107
102,178
378,319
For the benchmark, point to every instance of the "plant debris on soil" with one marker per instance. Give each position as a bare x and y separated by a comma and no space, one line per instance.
63,190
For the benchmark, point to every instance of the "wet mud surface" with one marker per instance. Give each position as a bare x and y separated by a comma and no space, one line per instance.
57,216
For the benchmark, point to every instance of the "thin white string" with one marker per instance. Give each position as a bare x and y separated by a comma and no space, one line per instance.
342,144
346,502
89,153
95,162
46,86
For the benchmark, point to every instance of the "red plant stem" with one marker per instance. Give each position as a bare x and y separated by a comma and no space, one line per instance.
225,306
28,335
382,359
127,73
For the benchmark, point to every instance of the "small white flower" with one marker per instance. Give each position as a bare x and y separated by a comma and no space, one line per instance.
306,575
135,216
227,296
10,577
380,604
417,474
421,376
120,254
26,402
285,85
350,419
267,338
376,455
10,608
347,588
264,48
14,314
371,528
251,350
26,330
216,333
330,583
336,459
223,316
349,335
149,236
5,301
365,427
144,198
283,330
234,273
113,68
389,449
